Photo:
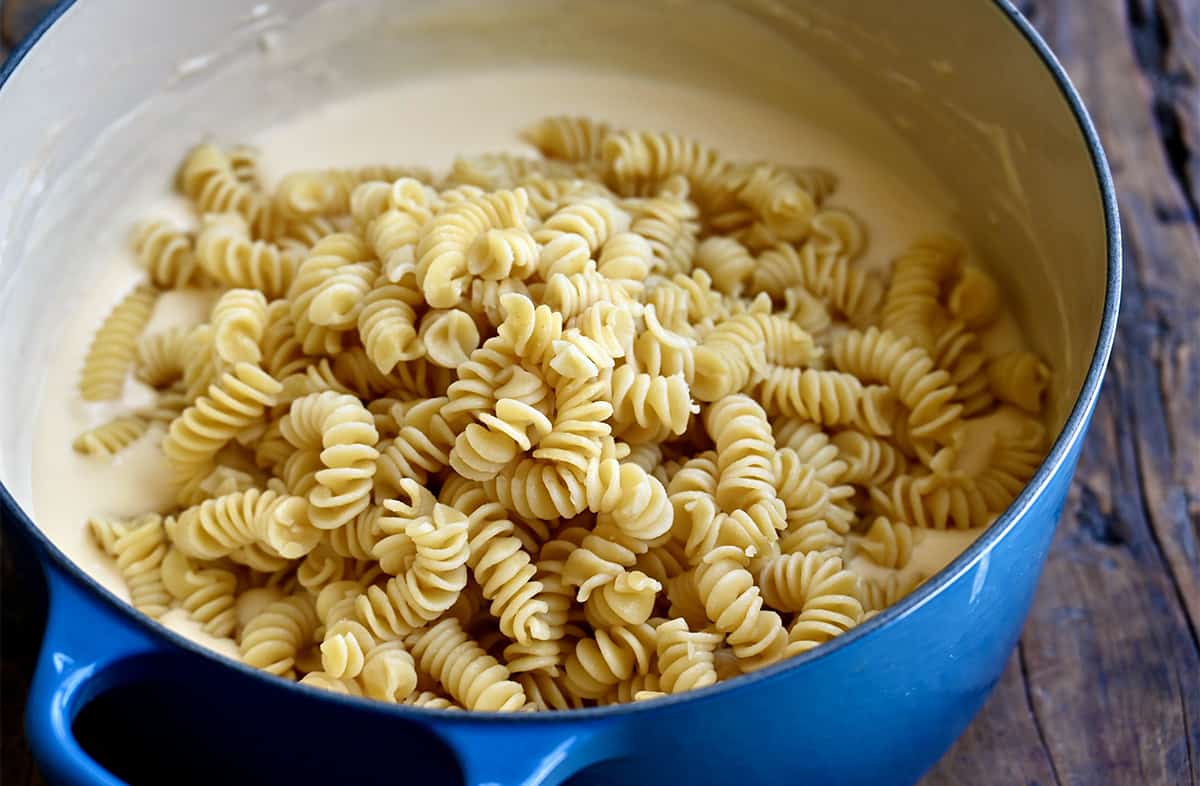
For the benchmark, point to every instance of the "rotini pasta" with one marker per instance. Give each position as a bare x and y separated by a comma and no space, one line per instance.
139,547
471,676
208,178
345,432
239,319
113,349
1019,378
600,426
168,255
111,437
161,357
229,256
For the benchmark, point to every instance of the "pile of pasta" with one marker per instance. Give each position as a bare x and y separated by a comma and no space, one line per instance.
547,432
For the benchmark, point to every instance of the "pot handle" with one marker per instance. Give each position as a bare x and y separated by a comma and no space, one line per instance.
87,648
531,754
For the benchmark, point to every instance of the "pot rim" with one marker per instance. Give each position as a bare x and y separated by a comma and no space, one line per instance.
1072,431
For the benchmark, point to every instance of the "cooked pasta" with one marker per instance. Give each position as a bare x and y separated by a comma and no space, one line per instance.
975,298
112,437
345,432
734,604
138,547
912,306
1019,378
208,595
685,659
568,138
168,255
889,544
239,319
613,654
609,424
273,639
217,527
230,257
449,336
471,676
113,348
208,178
161,357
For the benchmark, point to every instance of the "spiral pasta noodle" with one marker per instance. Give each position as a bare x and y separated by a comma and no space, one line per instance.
441,252
325,287
139,547
852,292
638,161
828,398
500,564
239,319
974,299
228,255
908,370
208,595
168,255
273,639
1019,378
686,659
449,337
430,581
422,445
115,344
870,460
112,437
208,179
217,527
912,306
958,352
567,138
471,676
627,600
345,432
161,357
238,400
614,654
745,444
831,601
328,191
669,225
888,543
735,606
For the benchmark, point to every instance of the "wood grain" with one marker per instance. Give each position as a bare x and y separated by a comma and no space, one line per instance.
18,17
1105,687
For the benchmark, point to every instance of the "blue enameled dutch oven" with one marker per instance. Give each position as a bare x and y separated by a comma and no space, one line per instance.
105,90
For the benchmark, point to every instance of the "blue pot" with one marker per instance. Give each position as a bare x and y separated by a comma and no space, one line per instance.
995,116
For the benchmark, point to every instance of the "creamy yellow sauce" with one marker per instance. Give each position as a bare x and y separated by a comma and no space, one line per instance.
428,122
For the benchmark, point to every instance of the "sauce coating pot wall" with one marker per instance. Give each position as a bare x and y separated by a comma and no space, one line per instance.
114,90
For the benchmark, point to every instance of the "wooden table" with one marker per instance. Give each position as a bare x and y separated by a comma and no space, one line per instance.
1105,686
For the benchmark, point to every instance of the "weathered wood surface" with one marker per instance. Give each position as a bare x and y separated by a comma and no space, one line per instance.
16,18
1105,688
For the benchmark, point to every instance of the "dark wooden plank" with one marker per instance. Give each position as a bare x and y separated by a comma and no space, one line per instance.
1161,316
1179,22
17,17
